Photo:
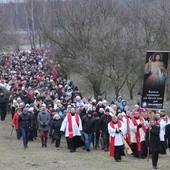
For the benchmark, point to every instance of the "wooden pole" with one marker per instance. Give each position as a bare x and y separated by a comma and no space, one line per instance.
149,135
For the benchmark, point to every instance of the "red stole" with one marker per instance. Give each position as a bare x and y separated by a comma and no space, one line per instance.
112,139
137,134
70,128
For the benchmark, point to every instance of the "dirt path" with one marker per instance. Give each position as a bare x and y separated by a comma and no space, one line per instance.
14,157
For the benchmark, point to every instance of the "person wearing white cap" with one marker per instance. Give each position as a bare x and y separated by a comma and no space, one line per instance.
99,105
78,102
27,106
113,109
55,132
119,101
101,112
104,102
14,106
21,105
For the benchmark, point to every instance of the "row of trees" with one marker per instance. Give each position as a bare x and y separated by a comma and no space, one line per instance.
104,41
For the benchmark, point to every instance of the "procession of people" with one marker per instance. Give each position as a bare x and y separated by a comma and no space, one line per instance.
42,102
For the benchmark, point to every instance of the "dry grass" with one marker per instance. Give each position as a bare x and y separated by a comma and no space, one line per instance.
14,157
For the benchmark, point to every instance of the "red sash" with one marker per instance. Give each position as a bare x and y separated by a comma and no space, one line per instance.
137,134
70,128
112,139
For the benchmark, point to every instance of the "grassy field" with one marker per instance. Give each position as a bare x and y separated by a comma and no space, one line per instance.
14,157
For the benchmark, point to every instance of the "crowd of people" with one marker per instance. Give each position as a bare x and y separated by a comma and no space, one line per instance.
42,101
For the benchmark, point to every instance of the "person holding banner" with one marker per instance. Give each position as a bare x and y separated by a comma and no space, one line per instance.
155,71
116,131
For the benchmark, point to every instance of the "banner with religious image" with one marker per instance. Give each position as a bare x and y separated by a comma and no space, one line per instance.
155,75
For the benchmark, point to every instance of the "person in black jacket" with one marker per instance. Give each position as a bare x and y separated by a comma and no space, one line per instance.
153,141
3,104
25,123
33,130
96,134
88,129
55,132
105,119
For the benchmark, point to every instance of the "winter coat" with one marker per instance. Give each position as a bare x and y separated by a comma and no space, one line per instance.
154,143
122,105
105,119
43,121
15,120
49,102
88,124
3,100
25,99
96,124
55,132
34,118
24,120
82,113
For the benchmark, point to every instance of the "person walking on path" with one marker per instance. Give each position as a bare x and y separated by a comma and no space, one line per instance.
55,132
25,125
153,141
72,126
43,125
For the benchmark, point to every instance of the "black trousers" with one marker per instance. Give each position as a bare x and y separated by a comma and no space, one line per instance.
168,141
13,111
167,132
30,135
95,139
19,134
57,143
74,143
141,153
3,112
105,137
155,155
163,147
118,152
71,143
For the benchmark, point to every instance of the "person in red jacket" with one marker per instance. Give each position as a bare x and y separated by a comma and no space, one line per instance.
15,123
